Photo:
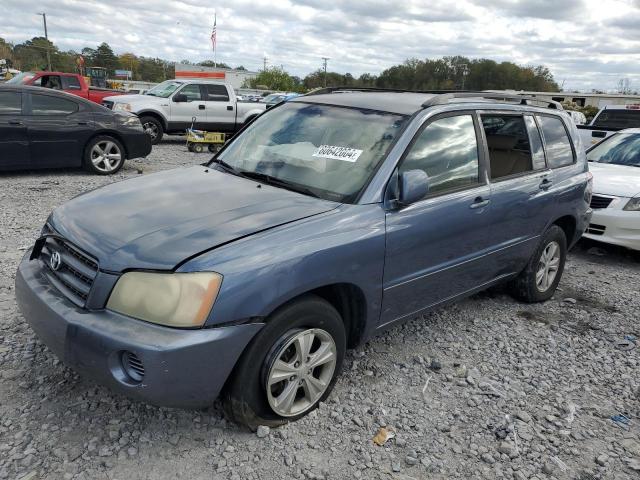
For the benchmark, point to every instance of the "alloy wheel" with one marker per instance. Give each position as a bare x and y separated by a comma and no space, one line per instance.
548,266
300,371
106,156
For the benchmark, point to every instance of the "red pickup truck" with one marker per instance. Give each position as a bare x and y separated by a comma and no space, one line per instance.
67,82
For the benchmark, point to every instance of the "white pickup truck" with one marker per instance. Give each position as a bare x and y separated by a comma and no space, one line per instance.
170,107
608,121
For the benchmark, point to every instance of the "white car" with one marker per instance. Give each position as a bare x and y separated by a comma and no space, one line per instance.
615,165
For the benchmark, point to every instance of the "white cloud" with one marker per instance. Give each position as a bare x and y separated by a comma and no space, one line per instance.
585,43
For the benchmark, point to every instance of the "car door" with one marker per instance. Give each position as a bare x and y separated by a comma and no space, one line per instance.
182,113
14,142
221,113
521,185
58,127
437,248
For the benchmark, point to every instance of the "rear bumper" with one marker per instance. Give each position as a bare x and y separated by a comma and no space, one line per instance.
615,226
182,368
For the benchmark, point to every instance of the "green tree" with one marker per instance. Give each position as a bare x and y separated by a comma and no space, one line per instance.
210,63
105,58
274,78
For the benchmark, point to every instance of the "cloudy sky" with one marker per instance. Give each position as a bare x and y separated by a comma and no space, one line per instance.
586,43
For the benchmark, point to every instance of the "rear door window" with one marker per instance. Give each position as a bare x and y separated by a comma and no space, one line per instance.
618,119
10,103
447,151
217,93
508,144
71,83
49,105
556,142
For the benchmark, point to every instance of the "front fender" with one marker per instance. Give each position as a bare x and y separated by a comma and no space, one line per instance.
157,113
264,271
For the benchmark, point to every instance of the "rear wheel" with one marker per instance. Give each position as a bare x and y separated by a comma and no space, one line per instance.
539,280
104,155
290,366
153,127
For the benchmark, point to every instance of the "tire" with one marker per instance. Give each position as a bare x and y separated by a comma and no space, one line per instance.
214,148
104,155
528,286
190,147
153,127
248,400
198,148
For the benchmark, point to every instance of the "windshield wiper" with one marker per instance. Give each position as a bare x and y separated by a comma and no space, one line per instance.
226,167
278,182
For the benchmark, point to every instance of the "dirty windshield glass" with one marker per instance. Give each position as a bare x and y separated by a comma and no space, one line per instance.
329,151
164,89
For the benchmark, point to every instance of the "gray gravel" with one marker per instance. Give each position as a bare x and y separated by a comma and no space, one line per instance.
488,388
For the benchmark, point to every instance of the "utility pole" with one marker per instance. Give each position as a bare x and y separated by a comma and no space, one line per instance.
324,60
265,63
46,35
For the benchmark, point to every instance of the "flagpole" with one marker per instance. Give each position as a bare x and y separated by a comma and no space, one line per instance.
215,43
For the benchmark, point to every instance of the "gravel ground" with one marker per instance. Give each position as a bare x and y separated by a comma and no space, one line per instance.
488,388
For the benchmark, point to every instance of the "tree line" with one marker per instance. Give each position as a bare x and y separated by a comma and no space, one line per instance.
447,73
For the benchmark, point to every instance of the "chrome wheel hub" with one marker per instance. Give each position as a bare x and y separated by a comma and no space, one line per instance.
548,266
300,372
106,156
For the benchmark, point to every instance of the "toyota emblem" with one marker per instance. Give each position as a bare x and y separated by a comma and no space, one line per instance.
55,261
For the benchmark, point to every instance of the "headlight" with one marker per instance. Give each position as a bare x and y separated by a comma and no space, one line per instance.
131,122
172,299
122,106
633,205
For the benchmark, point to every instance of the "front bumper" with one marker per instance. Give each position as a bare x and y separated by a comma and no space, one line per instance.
615,226
136,143
182,368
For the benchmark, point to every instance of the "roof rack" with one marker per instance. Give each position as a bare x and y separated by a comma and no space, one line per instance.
445,98
442,97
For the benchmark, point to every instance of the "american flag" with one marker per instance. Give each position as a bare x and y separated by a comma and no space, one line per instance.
213,33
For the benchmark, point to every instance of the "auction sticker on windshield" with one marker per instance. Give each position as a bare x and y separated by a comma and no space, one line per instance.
337,153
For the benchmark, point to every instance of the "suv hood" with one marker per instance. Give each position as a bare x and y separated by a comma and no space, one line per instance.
615,180
160,220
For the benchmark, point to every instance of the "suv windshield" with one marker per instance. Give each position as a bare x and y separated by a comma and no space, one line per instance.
164,89
328,151
620,149
21,78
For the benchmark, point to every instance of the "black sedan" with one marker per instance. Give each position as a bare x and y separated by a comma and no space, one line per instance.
42,128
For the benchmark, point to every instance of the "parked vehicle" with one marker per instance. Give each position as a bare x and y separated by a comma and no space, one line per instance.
615,164
170,107
609,120
66,82
578,118
328,219
41,128
276,98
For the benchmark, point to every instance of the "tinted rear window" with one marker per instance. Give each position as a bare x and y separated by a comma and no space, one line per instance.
556,142
618,119
217,93
10,103
46,105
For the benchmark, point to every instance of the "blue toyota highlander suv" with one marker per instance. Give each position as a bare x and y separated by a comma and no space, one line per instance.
326,220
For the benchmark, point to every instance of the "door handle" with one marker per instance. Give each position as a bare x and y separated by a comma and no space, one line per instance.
545,184
15,122
479,202
201,107
229,107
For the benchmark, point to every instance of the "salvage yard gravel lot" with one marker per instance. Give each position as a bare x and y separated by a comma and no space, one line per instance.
487,388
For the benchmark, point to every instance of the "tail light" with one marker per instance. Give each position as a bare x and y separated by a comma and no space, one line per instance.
588,191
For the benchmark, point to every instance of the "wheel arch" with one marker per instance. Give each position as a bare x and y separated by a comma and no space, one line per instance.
109,133
568,224
157,115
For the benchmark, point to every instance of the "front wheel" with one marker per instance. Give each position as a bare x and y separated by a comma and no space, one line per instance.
104,155
289,367
539,280
153,127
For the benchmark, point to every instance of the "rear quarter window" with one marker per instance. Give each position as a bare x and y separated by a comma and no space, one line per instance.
556,142
49,105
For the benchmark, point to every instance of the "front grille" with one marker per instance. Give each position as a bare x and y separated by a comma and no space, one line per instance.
594,229
108,104
75,272
133,366
600,202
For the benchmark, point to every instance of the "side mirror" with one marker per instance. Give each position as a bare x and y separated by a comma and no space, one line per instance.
414,185
180,98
